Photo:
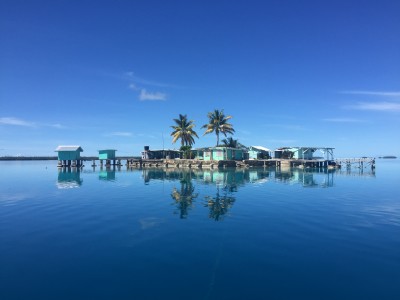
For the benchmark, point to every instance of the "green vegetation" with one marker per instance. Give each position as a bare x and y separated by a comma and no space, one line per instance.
187,151
218,123
231,143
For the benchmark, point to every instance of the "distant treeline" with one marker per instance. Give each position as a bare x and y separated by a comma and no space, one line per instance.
56,158
28,158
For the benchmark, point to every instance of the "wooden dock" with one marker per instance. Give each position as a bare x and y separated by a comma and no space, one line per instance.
361,163
213,164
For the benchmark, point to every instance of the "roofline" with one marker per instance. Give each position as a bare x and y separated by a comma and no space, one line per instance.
312,147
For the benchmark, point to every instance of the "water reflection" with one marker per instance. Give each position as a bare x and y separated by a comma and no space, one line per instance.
184,196
69,178
107,175
220,195
220,204
307,177
227,182
231,180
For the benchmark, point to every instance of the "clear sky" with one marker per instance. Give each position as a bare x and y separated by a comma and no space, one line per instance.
113,74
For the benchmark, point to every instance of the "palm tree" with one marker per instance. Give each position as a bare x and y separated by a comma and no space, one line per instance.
183,130
218,122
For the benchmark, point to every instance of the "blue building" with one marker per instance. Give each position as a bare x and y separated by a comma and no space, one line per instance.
259,152
69,155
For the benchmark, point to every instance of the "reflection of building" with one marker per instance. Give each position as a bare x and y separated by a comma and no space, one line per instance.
233,179
69,178
307,178
107,175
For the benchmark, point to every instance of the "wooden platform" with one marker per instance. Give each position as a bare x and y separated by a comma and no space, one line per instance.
362,162
278,163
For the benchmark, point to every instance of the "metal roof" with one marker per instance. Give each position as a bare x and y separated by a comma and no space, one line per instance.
317,148
261,148
69,148
157,150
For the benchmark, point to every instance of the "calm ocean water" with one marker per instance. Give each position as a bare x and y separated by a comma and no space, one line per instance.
154,234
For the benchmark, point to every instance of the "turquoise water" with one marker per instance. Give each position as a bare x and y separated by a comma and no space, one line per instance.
150,234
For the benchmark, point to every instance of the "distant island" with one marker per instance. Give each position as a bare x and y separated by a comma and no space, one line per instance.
388,156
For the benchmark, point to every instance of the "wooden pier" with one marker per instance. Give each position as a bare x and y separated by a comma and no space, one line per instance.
68,163
211,164
361,163
214,164
108,162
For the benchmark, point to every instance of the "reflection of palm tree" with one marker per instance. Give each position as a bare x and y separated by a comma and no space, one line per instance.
220,204
185,196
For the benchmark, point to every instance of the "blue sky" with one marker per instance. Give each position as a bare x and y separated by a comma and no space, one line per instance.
113,74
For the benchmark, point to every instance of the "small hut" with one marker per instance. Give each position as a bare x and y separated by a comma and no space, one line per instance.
259,152
223,153
108,155
69,156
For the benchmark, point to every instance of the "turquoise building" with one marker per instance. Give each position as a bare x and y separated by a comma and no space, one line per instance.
259,152
69,153
107,154
223,153
304,153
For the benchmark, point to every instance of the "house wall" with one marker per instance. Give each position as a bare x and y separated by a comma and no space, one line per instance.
302,153
222,153
253,154
107,154
199,154
207,155
238,154
69,155
218,154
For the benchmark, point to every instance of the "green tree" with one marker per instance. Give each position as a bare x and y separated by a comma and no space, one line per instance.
218,123
183,130
232,143
186,151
